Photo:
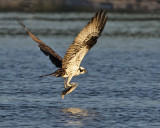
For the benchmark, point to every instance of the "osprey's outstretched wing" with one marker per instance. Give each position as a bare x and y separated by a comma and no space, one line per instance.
53,56
84,41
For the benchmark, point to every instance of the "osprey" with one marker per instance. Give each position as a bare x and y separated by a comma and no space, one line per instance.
69,66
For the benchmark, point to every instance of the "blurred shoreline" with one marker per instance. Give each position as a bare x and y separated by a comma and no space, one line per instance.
127,6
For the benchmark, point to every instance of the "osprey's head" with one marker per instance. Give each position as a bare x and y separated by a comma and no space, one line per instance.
82,70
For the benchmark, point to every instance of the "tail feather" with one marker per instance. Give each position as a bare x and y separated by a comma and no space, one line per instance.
46,75
58,73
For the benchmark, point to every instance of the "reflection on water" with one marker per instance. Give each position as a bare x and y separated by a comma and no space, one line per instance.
76,111
77,116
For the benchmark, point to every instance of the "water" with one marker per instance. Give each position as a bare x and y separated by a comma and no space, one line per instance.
121,89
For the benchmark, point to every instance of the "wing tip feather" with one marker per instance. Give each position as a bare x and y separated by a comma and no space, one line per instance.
19,20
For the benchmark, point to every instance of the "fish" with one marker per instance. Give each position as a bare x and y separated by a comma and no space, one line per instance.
68,90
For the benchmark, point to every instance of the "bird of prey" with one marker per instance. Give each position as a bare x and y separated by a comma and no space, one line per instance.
69,66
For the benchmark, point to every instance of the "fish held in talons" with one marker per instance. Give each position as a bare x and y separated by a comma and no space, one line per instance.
68,90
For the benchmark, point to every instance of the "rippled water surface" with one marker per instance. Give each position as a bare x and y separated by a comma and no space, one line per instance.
121,89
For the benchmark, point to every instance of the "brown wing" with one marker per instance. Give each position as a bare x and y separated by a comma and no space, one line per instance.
84,41
53,56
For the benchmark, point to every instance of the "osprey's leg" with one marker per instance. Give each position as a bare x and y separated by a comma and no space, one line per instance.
65,82
68,80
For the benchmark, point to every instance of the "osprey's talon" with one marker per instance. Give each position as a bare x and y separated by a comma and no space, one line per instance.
69,85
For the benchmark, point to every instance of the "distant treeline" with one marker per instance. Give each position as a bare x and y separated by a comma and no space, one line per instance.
79,5
42,6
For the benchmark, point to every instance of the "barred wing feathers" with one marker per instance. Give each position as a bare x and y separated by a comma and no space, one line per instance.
84,41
